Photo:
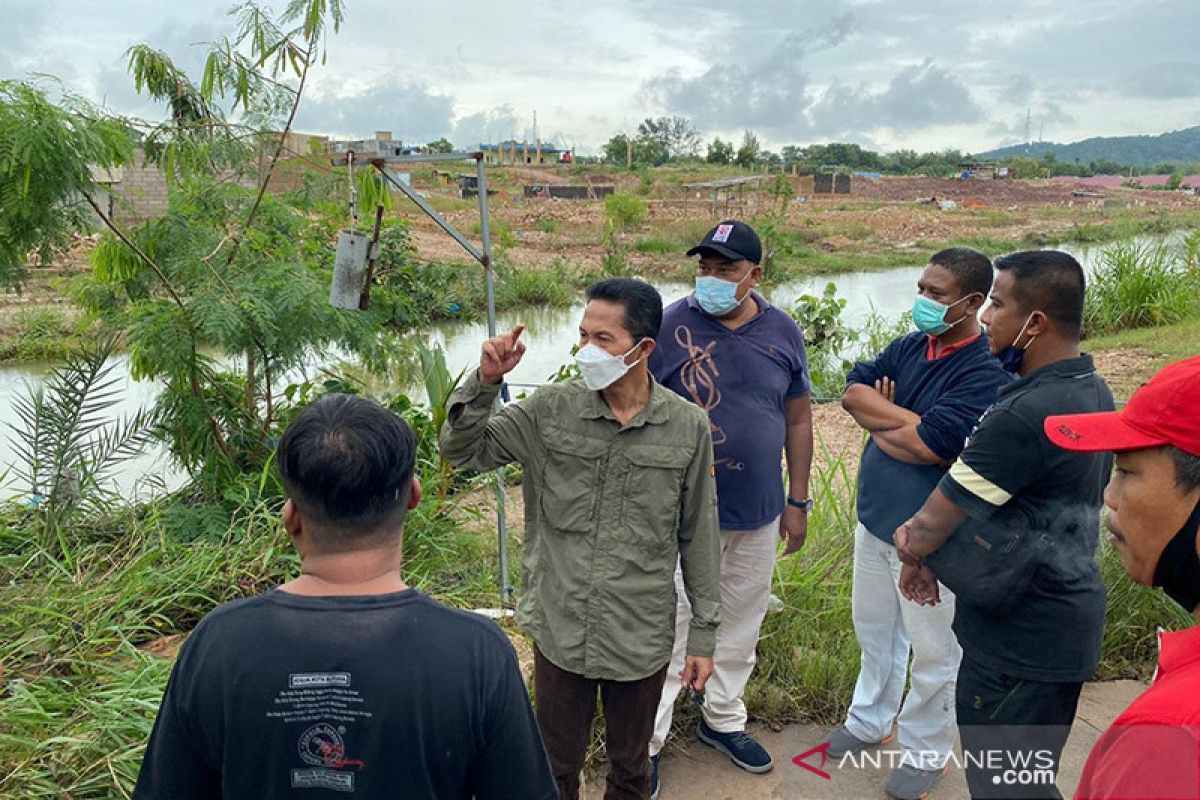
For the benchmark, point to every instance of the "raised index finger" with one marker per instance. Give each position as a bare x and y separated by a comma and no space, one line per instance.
516,333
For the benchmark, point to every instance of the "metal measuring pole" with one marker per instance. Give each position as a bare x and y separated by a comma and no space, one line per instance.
506,591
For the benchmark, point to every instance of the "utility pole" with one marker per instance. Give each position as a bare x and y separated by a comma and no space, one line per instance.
537,137
1028,120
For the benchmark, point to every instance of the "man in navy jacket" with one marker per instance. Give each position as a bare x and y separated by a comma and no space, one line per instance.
918,400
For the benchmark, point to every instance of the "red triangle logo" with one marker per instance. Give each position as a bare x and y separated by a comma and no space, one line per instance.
823,749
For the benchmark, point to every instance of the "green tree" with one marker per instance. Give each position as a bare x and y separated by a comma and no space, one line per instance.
442,145
616,149
770,158
230,275
1106,166
1025,168
747,154
47,152
676,136
648,151
791,154
719,151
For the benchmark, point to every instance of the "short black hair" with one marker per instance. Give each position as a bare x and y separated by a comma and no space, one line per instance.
972,270
1187,469
643,304
347,464
1049,281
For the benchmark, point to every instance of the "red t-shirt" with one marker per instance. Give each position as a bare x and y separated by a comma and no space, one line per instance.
1152,751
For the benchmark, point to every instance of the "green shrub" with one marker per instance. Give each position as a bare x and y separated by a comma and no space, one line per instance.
645,182
1139,285
40,334
535,287
656,244
832,346
624,212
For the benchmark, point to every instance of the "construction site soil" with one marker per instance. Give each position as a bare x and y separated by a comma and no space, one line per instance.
879,215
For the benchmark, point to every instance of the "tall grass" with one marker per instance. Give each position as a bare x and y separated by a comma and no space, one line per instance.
1131,621
1138,285
808,654
536,287
80,696
39,334
658,246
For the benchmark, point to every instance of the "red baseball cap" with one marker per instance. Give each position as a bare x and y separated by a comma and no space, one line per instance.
1165,410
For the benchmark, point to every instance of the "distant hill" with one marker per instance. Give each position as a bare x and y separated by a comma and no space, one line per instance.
1131,151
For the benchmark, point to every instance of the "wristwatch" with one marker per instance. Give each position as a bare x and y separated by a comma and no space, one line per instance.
804,505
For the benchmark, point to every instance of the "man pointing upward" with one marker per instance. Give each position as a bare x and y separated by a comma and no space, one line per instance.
618,487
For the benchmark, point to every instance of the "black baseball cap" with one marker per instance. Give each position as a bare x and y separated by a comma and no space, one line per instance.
733,239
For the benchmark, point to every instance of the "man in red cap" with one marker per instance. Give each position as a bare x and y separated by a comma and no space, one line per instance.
1153,749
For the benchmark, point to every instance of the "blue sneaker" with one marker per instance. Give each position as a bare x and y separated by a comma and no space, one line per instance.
654,787
739,746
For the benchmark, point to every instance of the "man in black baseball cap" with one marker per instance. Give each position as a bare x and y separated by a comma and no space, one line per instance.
732,239
742,360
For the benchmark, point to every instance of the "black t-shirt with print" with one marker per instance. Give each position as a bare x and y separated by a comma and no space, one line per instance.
1011,476
380,696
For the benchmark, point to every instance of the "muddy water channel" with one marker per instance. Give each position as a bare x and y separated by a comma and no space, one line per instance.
550,333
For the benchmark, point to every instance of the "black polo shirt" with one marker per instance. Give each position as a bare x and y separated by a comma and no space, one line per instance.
1011,475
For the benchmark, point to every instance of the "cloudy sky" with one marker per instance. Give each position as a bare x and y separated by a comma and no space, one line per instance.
888,74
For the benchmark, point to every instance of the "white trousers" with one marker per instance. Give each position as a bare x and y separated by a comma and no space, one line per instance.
888,626
747,563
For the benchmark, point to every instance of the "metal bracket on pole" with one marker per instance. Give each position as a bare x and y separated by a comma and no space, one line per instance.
432,213
484,257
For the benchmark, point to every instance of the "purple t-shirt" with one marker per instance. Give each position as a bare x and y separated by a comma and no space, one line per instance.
743,379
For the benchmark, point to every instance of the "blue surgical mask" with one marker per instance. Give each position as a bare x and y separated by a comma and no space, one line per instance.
1012,357
930,316
716,296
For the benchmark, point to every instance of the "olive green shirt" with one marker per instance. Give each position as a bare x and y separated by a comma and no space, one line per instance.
609,511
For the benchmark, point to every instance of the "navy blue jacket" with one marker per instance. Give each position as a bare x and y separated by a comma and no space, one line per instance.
950,393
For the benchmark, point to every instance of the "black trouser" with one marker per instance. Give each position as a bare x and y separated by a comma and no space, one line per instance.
1013,731
565,704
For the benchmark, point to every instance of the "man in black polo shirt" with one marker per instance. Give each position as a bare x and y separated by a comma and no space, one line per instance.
1012,531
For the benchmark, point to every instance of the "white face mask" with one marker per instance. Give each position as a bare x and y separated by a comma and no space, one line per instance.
601,369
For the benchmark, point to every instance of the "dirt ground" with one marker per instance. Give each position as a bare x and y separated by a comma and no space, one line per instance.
691,770
879,214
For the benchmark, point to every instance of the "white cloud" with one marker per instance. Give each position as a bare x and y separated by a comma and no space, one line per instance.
918,74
